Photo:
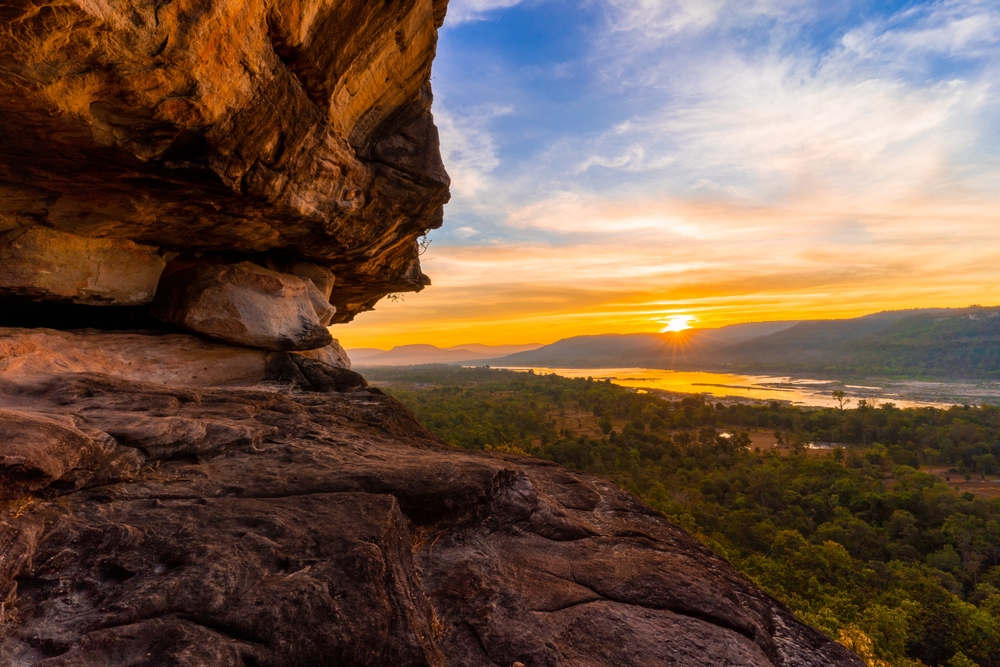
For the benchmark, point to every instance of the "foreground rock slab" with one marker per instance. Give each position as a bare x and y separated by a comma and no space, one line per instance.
153,357
273,527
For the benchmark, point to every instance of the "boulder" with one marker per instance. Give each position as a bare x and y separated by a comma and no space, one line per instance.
331,355
43,263
245,304
322,277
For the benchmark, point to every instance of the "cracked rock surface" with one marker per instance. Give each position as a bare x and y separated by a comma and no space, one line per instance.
149,525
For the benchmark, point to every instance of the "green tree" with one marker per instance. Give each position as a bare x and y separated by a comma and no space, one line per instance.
841,398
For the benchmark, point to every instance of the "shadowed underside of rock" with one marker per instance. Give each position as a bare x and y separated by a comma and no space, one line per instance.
265,129
270,527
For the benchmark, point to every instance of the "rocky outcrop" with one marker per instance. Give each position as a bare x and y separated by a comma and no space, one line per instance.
331,355
271,526
252,171
267,131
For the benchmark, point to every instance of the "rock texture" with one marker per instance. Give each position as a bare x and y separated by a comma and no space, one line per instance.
169,359
332,355
270,526
245,304
294,130
49,265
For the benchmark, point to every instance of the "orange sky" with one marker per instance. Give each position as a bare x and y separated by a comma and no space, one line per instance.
725,265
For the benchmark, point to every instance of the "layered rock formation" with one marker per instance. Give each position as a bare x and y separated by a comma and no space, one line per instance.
170,359
273,526
261,130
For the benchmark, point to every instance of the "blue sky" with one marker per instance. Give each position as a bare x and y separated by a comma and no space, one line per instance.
620,162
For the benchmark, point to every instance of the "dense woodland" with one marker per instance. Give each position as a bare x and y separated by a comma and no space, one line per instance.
856,539
933,346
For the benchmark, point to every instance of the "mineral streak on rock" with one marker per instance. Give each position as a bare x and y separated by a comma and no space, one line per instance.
275,527
299,128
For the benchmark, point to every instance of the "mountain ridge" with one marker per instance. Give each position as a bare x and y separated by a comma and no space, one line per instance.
405,355
933,342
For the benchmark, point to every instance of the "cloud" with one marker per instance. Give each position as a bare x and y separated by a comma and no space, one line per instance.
864,117
657,20
468,149
765,131
463,11
956,29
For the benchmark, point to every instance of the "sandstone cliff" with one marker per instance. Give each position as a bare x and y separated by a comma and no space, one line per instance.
218,488
135,130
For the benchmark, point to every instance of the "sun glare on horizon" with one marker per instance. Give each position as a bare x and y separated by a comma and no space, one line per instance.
678,323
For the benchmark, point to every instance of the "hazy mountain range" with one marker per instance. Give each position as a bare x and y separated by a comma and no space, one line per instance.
409,355
939,342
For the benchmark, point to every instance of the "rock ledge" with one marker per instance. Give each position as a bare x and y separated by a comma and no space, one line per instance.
269,526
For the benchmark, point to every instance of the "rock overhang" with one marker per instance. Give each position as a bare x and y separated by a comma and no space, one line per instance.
262,130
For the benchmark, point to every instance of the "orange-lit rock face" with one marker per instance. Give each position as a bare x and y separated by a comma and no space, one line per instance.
47,264
245,304
298,128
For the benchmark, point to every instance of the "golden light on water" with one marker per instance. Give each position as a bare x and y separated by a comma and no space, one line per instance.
678,323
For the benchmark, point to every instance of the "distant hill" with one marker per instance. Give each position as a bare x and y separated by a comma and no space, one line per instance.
592,351
927,342
411,355
940,342
961,343
647,350
358,353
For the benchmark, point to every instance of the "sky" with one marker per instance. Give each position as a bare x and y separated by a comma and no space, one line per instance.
619,164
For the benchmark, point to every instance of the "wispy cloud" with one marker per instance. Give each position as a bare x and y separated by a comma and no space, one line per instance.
468,147
466,232
863,115
956,29
657,20
462,11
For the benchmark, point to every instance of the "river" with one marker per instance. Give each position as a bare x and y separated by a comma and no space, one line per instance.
798,391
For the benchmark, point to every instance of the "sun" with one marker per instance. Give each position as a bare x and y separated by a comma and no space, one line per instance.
678,323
